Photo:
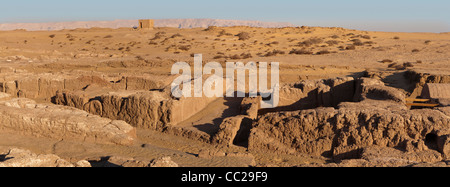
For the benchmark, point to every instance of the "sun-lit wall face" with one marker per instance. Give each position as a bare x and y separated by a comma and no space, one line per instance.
146,23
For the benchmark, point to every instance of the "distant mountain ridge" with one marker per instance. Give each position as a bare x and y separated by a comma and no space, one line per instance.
178,23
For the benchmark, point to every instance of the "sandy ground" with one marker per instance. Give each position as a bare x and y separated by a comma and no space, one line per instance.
120,52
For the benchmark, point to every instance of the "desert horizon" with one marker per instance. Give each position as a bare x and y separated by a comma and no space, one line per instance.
188,23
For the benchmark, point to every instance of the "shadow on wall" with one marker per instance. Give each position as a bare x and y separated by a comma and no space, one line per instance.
400,80
233,105
324,95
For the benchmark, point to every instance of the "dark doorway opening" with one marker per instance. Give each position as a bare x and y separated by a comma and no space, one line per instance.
431,141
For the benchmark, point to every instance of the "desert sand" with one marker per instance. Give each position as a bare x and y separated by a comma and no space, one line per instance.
101,97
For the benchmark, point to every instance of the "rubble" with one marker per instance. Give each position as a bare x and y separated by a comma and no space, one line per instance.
24,116
379,119
15,157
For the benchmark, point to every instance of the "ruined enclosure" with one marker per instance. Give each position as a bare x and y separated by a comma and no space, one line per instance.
315,93
105,91
371,114
334,118
328,113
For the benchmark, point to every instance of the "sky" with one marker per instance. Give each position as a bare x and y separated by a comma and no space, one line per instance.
374,15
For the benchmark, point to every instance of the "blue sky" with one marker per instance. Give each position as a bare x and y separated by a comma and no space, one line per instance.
382,15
